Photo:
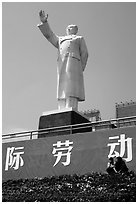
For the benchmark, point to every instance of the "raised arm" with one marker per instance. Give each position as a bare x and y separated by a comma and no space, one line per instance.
46,30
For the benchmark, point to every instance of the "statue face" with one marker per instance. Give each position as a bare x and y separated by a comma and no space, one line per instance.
72,30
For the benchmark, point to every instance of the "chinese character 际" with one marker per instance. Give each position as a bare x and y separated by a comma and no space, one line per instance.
123,143
62,149
13,158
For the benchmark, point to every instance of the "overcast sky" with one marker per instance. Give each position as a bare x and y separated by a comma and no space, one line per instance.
29,61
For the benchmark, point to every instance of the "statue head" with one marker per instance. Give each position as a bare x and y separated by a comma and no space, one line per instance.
72,30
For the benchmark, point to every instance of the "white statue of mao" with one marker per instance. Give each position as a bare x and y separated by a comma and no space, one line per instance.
72,59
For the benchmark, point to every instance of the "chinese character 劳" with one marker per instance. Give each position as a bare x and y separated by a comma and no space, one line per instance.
62,149
13,158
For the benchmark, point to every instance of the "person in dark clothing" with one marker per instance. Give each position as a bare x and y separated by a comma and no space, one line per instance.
110,166
120,165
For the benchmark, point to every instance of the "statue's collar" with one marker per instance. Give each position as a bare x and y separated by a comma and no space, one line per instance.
67,37
72,35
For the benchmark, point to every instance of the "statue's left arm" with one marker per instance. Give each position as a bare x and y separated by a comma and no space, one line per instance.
83,53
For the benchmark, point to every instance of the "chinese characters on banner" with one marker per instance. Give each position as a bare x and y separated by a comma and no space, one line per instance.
119,146
13,158
61,150
125,145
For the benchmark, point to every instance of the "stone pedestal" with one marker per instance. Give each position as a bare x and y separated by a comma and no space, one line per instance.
56,120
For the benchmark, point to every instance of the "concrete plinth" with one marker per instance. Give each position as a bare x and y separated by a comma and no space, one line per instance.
54,120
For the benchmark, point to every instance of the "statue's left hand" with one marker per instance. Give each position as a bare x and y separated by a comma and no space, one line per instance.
43,17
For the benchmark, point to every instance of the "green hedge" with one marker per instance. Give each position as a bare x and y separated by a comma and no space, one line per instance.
94,187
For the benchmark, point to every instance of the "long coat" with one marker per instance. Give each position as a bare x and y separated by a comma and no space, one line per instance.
72,59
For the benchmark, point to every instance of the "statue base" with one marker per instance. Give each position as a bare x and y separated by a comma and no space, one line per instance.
54,122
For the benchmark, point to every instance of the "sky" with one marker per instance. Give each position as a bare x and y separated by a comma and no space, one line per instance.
29,61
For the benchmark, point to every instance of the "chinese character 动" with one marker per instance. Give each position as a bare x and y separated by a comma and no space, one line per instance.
13,158
122,142
62,150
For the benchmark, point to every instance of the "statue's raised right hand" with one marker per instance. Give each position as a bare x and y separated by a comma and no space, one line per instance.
43,17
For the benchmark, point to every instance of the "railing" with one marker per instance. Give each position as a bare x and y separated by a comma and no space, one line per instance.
115,123
98,125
